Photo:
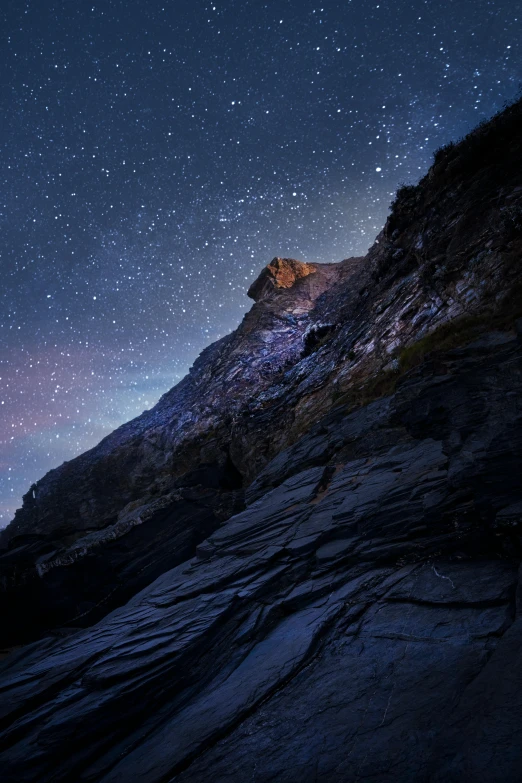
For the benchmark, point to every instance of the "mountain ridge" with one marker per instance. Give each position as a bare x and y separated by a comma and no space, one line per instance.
305,562
317,335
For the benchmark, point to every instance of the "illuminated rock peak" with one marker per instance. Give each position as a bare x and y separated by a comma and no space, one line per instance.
279,273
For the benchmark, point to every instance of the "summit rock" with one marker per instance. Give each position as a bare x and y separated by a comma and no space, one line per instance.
280,273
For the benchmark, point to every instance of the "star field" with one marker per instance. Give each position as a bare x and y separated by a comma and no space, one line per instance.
155,156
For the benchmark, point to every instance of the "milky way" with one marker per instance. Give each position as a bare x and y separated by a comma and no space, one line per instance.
155,156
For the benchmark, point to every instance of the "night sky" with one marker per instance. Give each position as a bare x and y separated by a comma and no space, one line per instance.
154,156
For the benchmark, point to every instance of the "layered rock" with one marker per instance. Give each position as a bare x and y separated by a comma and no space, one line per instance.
317,334
360,619
94,531
313,540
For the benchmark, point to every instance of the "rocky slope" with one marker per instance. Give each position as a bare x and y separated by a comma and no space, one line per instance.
359,618
102,526
94,531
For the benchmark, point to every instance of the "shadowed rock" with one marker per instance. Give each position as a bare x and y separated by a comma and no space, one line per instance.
329,629
308,553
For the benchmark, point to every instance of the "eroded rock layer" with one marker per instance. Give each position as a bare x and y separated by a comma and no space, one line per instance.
317,335
303,563
358,620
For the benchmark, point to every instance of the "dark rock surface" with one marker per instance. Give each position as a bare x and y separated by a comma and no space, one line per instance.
357,620
317,334
304,563
98,570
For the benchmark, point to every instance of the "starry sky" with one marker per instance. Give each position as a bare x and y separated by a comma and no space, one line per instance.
154,156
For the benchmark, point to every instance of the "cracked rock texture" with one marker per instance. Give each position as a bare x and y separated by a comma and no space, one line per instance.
275,581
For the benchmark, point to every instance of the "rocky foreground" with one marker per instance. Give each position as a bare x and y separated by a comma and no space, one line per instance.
310,546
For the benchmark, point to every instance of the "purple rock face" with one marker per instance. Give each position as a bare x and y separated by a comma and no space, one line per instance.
303,563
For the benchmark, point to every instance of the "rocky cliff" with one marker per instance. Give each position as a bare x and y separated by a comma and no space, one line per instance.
311,545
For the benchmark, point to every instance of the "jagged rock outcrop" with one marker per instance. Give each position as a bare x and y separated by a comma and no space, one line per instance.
316,335
313,540
359,619
284,273
84,540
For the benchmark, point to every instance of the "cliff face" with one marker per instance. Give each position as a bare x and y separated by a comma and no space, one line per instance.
359,617
97,529
318,335
191,424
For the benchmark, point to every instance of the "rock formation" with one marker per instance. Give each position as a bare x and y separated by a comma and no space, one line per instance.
303,563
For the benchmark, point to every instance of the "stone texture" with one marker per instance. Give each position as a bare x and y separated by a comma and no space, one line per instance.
277,585
281,273
329,630
316,334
